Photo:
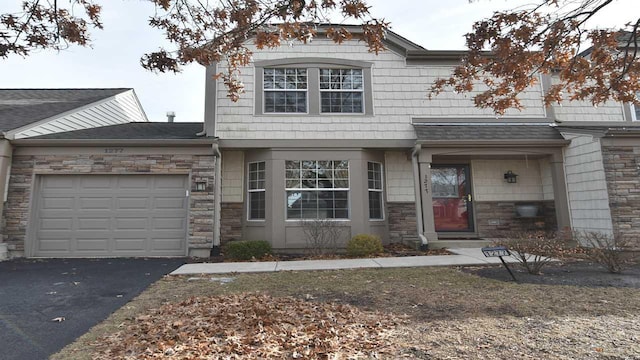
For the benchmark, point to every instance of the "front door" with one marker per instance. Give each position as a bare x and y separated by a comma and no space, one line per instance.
451,192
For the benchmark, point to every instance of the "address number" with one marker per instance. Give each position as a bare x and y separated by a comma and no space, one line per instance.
113,150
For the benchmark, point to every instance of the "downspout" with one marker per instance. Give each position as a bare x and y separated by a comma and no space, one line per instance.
217,193
424,243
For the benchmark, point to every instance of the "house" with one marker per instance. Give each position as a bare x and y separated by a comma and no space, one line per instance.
326,131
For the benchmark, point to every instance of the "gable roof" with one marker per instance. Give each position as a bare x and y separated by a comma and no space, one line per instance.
21,107
132,131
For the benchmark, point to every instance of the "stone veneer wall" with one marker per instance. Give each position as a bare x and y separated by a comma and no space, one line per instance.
622,171
402,221
495,217
23,168
231,215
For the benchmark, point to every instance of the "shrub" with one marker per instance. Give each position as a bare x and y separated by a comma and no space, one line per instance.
247,250
364,245
535,249
611,251
322,235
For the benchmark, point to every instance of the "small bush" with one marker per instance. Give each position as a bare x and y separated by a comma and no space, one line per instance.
364,245
535,249
611,251
247,250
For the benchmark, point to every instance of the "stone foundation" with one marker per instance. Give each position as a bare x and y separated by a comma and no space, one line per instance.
402,221
23,168
496,217
621,167
231,215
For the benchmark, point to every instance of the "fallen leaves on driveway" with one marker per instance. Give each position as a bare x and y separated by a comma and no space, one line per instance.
251,325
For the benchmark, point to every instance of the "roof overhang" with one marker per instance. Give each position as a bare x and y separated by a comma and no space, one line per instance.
114,142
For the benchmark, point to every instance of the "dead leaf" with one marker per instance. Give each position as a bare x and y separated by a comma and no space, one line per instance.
58,319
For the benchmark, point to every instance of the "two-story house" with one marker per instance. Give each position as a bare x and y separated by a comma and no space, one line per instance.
335,132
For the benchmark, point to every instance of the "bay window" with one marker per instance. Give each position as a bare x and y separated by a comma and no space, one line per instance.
317,189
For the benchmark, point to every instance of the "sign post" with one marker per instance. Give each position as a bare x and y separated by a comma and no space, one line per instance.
499,252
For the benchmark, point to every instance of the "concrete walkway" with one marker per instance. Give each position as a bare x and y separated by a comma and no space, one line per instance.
468,256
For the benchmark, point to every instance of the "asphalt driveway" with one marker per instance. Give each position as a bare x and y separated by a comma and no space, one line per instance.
82,291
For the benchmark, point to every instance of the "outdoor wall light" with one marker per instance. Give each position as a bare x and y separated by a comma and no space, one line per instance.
510,177
201,185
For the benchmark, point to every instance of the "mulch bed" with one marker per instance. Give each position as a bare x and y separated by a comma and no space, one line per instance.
391,250
576,273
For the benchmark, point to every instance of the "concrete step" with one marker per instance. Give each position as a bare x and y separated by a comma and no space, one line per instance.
455,243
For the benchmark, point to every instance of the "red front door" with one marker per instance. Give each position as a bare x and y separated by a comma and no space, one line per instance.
451,192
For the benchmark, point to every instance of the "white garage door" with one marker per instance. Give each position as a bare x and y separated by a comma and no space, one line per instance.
110,215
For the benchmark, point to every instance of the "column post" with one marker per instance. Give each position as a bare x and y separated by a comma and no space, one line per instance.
429,225
560,194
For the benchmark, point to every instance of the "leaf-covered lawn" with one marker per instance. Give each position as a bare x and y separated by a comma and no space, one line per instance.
433,313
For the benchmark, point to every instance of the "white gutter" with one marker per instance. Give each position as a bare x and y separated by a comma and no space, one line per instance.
418,193
217,192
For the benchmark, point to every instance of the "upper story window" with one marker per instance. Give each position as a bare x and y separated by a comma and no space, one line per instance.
285,90
313,86
341,91
635,110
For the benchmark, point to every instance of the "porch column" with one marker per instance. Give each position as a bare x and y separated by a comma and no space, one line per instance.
425,160
560,195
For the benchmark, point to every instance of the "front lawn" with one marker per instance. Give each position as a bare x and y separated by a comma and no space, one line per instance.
430,313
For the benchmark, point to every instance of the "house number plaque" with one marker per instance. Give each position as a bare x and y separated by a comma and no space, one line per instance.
113,150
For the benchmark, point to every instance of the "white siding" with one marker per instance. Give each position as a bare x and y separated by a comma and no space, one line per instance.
399,177
489,184
399,94
586,185
122,108
232,171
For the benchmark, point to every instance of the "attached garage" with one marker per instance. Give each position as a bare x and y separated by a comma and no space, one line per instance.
109,215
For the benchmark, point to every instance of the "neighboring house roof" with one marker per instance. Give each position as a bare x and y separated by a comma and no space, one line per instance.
132,131
27,113
21,107
486,132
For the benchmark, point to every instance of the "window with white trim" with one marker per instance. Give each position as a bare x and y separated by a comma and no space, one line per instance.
317,189
256,190
285,90
341,91
635,109
374,176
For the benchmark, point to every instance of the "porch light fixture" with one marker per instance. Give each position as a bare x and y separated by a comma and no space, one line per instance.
201,185
510,177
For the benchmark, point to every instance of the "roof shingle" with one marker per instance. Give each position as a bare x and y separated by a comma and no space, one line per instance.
133,131
487,132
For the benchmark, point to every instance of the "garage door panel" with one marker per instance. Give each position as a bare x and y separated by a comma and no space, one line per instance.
131,224
95,203
93,245
131,203
111,215
57,203
176,202
99,223
56,224
96,182
134,182
168,184
59,245
130,244
58,182
168,223
166,244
